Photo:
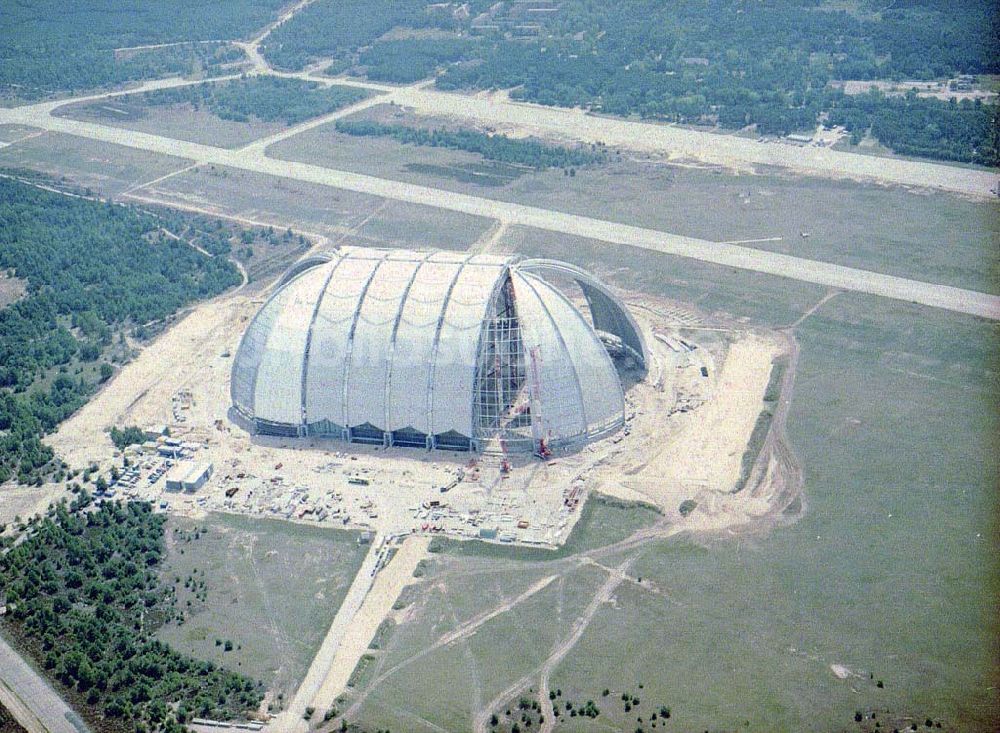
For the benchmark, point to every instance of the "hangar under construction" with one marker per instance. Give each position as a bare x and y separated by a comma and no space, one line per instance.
436,350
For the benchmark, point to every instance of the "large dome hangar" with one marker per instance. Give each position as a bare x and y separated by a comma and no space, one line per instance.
436,350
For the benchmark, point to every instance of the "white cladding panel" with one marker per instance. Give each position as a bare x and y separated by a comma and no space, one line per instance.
278,391
328,346
458,341
249,355
414,348
602,401
556,404
372,346
392,340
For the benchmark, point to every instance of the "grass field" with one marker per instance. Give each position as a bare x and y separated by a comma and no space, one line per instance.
227,114
466,580
441,167
921,235
891,572
178,121
341,215
106,168
272,590
12,133
752,297
445,688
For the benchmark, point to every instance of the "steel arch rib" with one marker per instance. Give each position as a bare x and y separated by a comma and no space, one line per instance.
350,340
390,366
309,335
243,342
434,348
540,265
505,274
527,277
304,264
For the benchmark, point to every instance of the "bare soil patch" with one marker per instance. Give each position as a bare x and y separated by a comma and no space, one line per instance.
11,288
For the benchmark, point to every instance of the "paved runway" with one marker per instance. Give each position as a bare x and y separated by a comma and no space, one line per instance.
253,158
31,700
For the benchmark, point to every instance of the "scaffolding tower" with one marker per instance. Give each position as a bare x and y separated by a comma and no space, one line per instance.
503,408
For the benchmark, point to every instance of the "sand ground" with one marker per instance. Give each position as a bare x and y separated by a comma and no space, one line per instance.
688,424
376,608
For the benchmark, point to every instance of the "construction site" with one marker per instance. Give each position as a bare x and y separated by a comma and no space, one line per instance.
418,394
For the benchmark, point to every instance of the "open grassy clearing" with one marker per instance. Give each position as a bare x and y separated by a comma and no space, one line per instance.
280,202
12,133
179,121
11,288
451,593
105,168
271,590
455,170
857,225
283,202
413,226
891,572
463,583
227,114
448,686
749,296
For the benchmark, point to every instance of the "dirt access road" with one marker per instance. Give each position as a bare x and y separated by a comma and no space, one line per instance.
389,583
729,255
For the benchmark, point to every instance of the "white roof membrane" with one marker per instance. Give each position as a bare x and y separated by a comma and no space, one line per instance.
325,376
390,338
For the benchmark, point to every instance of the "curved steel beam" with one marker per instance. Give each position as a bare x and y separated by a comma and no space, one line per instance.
629,331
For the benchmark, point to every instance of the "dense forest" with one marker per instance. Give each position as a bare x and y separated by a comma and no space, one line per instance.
709,62
492,147
266,98
92,270
725,63
409,60
85,598
964,131
338,28
49,46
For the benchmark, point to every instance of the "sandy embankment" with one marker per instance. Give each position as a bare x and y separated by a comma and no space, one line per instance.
186,348
702,458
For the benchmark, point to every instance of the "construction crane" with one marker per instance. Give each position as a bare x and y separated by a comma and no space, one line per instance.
504,459
541,449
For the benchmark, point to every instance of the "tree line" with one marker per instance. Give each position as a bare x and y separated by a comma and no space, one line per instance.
966,131
47,47
93,270
337,29
265,98
722,63
499,148
84,596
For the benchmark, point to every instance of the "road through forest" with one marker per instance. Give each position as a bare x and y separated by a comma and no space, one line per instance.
30,699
